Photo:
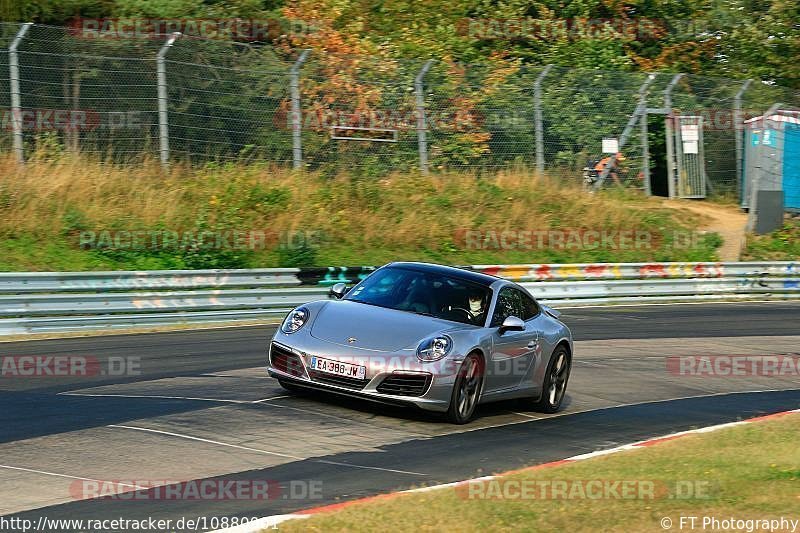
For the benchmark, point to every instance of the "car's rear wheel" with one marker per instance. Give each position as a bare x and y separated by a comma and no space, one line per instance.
466,390
555,381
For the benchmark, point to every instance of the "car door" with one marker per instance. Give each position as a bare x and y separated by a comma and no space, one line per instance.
512,351
536,324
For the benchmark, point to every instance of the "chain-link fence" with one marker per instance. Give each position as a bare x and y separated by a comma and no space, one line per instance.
175,98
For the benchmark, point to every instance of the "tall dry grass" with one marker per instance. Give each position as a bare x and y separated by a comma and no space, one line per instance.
373,218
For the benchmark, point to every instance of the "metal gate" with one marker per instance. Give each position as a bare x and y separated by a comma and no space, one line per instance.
689,158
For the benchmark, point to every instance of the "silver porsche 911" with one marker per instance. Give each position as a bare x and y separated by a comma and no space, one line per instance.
435,337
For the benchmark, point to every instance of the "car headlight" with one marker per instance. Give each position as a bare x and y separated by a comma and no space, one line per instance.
295,320
434,348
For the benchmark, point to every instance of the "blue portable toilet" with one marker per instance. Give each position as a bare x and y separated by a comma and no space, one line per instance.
772,151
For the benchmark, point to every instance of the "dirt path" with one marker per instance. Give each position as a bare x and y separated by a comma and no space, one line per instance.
728,221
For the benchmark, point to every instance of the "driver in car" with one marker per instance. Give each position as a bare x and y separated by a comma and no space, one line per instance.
476,310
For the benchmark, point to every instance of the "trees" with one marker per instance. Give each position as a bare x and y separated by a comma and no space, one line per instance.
732,38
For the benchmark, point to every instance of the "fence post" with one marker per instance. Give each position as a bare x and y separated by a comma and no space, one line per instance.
669,138
422,141
297,122
537,111
641,108
738,128
16,104
645,154
161,74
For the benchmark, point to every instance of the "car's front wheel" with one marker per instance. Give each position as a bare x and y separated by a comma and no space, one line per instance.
466,390
555,381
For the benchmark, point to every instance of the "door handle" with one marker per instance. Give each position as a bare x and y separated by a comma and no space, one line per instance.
535,342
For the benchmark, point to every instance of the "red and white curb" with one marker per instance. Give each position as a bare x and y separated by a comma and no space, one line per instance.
272,521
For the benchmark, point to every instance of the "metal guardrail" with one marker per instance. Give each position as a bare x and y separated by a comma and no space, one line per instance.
78,301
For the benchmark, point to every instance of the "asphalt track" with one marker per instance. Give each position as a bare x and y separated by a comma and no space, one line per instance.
242,426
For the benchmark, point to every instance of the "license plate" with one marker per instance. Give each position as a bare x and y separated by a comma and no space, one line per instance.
338,368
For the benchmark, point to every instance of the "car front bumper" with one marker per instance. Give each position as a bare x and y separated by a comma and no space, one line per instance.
386,381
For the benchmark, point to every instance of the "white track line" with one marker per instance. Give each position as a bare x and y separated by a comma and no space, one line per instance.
67,476
161,397
323,461
273,398
263,401
256,450
154,396
335,417
208,441
570,413
527,415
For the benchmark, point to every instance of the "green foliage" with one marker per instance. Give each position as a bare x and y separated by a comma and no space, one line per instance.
265,199
73,221
780,245
302,255
734,38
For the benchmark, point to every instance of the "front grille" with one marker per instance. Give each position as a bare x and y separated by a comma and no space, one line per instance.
405,384
341,381
285,361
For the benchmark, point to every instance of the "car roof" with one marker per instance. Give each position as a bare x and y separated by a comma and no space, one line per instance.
460,273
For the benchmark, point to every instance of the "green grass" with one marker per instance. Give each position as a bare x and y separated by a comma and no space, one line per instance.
747,472
780,245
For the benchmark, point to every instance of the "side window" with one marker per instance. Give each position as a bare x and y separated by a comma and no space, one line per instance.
509,303
530,307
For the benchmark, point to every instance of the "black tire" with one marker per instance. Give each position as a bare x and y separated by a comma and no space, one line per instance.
554,387
291,387
467,390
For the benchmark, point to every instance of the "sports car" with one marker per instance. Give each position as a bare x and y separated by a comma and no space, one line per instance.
439,338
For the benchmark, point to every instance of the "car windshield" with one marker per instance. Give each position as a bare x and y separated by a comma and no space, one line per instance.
424,293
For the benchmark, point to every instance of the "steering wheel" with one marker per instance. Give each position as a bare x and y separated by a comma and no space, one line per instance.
467,314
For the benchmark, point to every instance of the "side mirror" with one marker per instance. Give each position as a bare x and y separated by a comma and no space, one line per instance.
512,323
550,311
338,291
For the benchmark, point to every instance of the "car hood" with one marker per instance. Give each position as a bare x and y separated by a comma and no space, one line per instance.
374,328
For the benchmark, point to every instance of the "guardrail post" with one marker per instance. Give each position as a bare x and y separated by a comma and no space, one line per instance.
16,104
641,109
422,141
537,116
297,122
670,138
738,129
161,74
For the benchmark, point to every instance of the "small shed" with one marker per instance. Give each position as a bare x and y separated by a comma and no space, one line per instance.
772,157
